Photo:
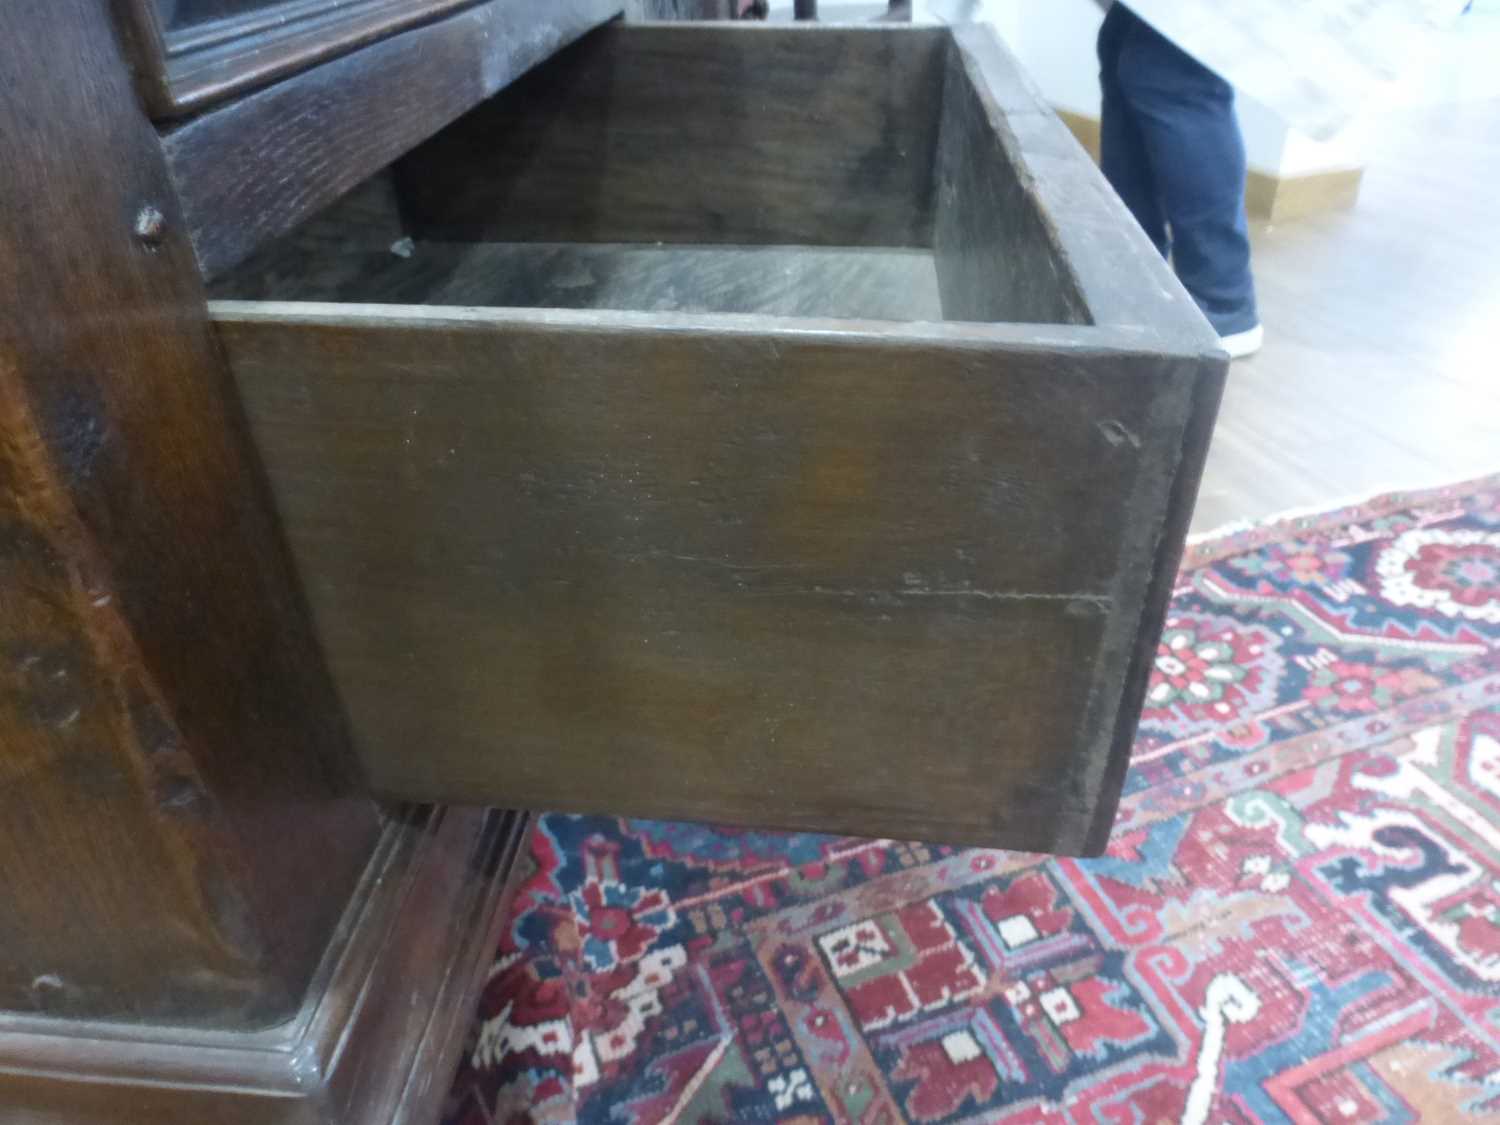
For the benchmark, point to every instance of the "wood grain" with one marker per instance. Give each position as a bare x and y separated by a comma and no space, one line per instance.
374,1041
998,257
181,820
253,169
852,282
807,574
185,65
723,133
1054,197
886,578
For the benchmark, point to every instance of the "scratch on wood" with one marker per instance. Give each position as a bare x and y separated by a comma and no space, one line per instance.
1100,601
1117,433
651,556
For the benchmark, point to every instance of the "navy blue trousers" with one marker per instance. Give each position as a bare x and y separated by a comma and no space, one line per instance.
1171,147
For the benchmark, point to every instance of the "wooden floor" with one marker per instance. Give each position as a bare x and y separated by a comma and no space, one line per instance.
1380,369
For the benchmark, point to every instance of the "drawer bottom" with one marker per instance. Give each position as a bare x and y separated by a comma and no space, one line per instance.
856,282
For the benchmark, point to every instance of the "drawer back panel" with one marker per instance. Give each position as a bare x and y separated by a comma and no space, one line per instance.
701,135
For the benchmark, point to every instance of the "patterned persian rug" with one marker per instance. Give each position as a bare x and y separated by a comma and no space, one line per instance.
1298,919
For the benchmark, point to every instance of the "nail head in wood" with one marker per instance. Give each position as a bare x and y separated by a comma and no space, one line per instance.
150,226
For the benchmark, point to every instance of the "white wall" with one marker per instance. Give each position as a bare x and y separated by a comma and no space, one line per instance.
1055,43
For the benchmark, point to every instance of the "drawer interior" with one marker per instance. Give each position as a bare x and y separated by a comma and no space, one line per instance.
771,426
847,173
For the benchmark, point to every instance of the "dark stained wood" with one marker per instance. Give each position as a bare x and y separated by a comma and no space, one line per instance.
181,821
853,282
809,574
395,1054
1203,410
997,254
723,133
252,169
1052,232
375,1040
1060,220
357,250
201,57
366,221
884,578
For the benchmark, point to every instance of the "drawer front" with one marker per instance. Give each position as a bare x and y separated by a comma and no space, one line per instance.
877,577
191,53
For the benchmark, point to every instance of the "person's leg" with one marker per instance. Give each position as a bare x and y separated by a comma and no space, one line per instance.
1123,156
1186,115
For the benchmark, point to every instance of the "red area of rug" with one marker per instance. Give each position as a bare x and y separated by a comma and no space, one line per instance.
1298,918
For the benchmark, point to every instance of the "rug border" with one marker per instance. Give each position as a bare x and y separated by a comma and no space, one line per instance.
1205,548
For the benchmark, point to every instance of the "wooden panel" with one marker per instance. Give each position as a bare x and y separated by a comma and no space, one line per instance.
998,256
1055,211
729,133
391,1056
794,573
357,251
256,167
375,1040
853,282
189,56
180,824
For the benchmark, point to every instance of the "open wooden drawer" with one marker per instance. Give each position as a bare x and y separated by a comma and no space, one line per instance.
779,426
